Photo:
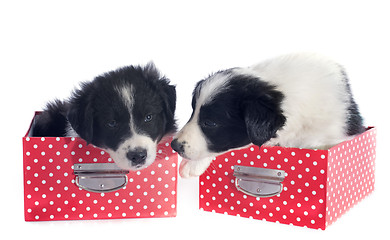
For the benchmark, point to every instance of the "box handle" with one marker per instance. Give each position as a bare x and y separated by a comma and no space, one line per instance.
258,182
100,177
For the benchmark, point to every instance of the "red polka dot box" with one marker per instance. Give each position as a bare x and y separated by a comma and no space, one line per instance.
301,187
65,179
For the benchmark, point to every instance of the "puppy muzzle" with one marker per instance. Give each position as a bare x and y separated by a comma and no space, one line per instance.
137,156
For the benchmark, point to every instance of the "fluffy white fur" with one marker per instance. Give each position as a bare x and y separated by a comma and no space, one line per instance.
315,101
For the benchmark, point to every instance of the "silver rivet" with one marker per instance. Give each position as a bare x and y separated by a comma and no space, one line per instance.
258,190
102,185
238,168
279,173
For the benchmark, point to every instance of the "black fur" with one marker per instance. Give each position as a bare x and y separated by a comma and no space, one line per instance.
97,113
354,119
52,121
246,111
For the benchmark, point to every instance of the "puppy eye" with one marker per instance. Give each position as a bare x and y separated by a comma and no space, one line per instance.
209,123
148,118
112,124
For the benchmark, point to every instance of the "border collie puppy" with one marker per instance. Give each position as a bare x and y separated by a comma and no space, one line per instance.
297,100
125,112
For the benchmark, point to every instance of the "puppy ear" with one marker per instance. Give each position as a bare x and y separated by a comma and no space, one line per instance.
168,94
262,119
80,114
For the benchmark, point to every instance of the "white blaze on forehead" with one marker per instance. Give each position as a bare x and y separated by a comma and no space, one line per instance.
127,95
211,87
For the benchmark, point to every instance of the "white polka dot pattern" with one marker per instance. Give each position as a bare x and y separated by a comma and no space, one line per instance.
351,174
50,192
320,185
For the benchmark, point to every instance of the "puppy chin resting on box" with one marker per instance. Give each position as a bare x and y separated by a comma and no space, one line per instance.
125,112
297,100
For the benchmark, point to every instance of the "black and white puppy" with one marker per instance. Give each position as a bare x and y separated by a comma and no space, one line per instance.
298,100
125,112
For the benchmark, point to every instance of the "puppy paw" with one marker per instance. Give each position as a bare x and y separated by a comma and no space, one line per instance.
189,168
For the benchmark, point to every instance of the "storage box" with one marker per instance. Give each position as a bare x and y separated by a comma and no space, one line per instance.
302,187
64,180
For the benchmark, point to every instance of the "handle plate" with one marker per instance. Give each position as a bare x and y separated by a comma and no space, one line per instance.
100,177
258,182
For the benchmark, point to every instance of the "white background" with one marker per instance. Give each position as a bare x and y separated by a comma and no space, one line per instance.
47,48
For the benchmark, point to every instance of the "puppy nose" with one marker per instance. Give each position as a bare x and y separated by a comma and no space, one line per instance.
137,156
177,146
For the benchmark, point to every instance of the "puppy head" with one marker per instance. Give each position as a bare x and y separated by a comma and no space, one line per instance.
126,112
230,110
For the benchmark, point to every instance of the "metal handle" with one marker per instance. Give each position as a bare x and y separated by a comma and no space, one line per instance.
100,177
258,182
